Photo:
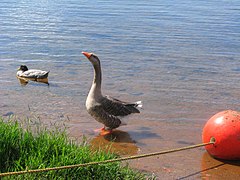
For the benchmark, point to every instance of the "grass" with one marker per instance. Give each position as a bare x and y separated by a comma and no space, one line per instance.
22,149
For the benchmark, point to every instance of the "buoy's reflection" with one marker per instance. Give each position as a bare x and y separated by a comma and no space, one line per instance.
217,169
24,81
119,142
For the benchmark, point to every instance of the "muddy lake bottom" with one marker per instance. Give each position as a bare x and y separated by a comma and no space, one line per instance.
146,132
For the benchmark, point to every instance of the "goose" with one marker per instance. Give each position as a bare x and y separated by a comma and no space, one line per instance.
23,71
105,109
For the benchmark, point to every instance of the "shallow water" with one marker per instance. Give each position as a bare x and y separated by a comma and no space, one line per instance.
182,59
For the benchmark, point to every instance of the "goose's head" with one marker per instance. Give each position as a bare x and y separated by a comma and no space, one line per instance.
92,58
23,68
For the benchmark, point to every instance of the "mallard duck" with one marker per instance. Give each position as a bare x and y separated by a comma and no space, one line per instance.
23,71
105,109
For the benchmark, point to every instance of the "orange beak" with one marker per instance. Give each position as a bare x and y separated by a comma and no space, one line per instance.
87,54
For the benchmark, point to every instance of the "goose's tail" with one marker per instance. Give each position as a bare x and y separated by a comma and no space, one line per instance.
133,107
139,104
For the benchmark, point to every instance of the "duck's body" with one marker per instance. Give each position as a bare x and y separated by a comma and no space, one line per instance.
105,109
23,71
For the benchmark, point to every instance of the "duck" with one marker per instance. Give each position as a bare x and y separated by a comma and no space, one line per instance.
105,109
23,71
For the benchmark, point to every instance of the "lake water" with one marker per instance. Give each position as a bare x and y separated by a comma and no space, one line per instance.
182,59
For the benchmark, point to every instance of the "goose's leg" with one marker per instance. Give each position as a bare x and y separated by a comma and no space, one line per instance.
100,129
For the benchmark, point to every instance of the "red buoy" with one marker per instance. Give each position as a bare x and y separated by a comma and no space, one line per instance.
224,128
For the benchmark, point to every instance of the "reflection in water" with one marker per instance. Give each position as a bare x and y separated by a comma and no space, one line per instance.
24,81
217,169
119,142
212,168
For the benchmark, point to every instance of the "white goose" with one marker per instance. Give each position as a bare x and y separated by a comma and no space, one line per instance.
105,109
23,71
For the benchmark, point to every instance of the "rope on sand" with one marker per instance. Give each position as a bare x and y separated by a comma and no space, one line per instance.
107,161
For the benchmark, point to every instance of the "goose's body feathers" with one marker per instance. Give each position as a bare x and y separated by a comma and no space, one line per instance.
109,111
119,108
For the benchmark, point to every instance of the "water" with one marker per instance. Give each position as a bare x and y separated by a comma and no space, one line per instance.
182,59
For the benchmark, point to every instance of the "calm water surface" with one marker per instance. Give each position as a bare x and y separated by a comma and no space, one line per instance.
182,59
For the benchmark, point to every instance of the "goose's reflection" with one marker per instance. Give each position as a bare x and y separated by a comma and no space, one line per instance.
118,142
24,81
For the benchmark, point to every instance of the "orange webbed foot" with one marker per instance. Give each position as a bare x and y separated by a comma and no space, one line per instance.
105,132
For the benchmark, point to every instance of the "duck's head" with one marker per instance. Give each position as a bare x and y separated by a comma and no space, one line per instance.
92,58
23,68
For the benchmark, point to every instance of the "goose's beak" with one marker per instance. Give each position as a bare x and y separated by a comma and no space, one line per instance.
87,54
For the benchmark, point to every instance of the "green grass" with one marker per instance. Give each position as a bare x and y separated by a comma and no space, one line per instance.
22,149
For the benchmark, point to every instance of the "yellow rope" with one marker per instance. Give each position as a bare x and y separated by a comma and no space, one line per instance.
106,161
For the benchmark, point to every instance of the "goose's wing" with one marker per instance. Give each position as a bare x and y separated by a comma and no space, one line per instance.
104,117
117,107
34,73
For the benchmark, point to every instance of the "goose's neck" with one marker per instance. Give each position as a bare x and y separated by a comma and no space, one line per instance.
95,91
